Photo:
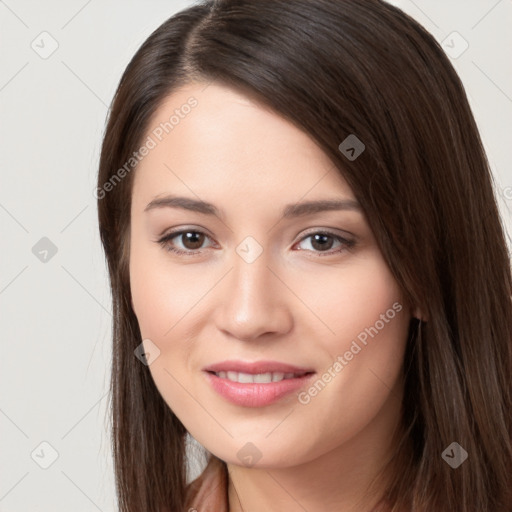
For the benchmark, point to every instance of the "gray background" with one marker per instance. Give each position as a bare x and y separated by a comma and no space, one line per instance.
55,314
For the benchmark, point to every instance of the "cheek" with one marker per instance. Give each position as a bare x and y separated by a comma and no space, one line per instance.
161,302
150,306
365,353
161,296
353,299
368,324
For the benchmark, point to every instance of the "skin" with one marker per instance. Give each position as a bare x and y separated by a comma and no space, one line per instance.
293,304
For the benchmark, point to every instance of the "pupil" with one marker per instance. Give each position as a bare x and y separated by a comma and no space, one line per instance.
190,236
322,244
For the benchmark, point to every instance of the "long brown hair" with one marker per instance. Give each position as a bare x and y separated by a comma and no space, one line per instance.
336,68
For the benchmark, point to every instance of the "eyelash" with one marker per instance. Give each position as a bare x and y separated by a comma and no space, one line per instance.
164,242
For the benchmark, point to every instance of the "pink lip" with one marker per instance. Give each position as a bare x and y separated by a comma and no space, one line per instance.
256,394
255,367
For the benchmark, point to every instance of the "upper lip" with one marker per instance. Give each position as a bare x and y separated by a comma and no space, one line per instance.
256,367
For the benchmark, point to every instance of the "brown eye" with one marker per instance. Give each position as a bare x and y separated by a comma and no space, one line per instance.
191,241
322,243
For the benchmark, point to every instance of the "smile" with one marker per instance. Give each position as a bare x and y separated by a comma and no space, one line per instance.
256,390
262,378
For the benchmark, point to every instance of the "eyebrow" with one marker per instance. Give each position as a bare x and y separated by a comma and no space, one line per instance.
289,211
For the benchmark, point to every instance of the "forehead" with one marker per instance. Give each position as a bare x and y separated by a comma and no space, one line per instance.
211,140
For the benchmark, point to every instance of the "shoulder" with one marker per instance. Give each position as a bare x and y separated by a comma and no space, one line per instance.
209,491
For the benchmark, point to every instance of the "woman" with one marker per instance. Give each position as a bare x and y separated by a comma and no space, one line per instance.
308,268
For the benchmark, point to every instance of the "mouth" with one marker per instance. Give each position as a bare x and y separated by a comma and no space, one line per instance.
260,378
256,384
257,368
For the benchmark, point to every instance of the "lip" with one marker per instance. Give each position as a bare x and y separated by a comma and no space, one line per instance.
256,367
256,394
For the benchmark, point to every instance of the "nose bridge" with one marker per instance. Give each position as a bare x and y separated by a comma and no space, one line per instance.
252,301
252,280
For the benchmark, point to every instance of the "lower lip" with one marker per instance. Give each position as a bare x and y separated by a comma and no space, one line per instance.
256,394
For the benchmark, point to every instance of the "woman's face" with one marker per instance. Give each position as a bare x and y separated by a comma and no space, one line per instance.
261,279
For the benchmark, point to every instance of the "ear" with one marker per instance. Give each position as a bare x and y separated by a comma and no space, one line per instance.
418,313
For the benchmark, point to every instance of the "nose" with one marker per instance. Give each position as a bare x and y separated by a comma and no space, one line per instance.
253,301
